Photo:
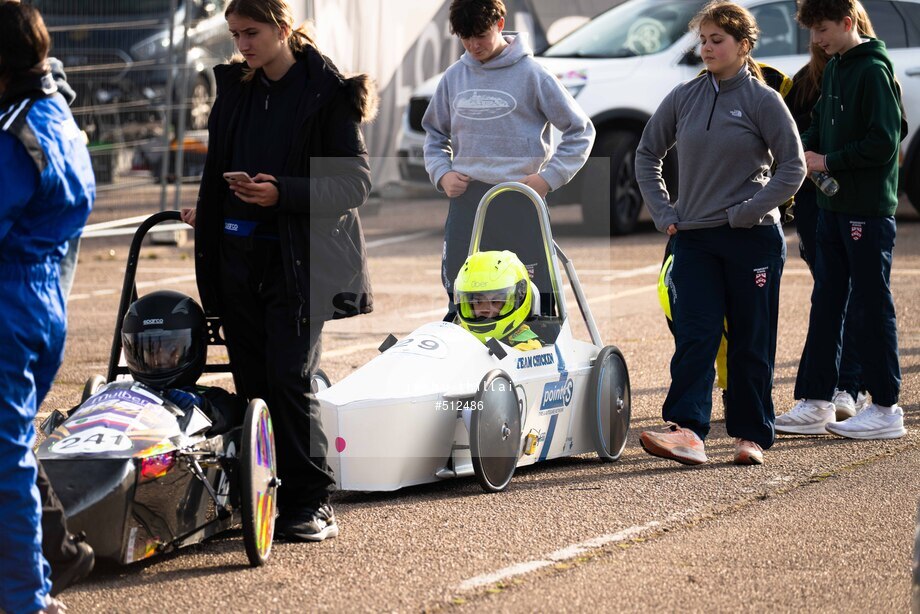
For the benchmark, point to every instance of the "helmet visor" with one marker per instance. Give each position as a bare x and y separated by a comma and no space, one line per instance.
157,351
483,306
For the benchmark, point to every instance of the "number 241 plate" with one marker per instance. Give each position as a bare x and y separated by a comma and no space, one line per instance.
91,441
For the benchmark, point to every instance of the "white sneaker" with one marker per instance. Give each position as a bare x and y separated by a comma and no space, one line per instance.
871,423
845,405
808,417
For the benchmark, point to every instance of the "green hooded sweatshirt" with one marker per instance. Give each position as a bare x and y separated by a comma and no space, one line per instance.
857,124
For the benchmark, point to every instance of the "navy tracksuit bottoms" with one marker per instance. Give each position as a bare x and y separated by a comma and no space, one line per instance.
852,273
806,226
731,274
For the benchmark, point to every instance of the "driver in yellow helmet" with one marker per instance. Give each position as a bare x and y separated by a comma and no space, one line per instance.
494,297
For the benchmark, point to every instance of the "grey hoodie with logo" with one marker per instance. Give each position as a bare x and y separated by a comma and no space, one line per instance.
491,121
726,140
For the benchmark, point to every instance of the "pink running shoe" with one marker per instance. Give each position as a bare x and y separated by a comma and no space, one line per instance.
680,444
748,453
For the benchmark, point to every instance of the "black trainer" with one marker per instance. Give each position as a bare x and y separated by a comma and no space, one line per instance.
307,524
72,571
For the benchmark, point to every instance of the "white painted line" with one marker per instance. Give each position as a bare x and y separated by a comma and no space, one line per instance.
623,294
178,279
652,268
351,349
112,229
118,232
428,314
569,552
115,223
502,574
399,239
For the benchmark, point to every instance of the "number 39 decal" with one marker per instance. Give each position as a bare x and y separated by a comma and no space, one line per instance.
92,441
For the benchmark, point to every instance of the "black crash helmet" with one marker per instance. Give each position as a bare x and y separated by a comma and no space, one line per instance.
164,336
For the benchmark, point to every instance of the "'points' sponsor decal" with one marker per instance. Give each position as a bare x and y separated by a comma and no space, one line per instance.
557,395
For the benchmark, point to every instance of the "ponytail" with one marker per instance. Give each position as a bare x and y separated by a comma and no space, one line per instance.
755,69
300,40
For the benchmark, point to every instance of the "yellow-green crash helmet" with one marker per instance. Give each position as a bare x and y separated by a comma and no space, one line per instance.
492,294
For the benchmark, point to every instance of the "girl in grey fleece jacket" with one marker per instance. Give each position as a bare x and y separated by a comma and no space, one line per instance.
728,248
727,139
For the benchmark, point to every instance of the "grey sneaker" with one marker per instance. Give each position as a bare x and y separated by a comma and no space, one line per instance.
307,524
846,406
808,417
871,423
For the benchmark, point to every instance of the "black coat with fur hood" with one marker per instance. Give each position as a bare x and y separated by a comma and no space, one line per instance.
326,178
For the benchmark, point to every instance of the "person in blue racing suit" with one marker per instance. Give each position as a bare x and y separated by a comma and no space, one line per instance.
70,557
47,193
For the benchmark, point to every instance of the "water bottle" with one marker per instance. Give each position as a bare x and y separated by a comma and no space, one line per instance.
825,182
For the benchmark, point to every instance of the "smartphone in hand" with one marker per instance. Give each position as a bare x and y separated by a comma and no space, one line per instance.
237,177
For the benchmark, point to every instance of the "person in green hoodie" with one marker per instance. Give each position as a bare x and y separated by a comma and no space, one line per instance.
854,135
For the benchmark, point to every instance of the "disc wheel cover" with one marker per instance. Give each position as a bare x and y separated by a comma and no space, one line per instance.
495,431
611,403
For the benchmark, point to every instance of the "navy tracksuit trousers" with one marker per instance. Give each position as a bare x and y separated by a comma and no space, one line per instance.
734,274
852,273
806,226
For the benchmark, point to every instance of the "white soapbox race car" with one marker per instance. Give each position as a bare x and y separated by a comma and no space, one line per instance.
439,403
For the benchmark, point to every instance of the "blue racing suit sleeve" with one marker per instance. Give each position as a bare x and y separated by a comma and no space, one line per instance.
19,178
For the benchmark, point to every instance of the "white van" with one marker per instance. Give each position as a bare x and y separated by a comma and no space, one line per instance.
621,64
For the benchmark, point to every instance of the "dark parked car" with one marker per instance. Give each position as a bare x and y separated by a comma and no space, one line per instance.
118,58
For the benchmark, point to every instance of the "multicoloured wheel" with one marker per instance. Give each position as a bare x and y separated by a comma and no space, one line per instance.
258,482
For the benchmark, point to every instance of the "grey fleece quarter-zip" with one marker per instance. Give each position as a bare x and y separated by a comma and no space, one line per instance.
726,141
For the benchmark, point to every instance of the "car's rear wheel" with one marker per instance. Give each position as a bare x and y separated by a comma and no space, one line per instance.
319,381
92,386
913,181
616,211
495,431
258,482
609,403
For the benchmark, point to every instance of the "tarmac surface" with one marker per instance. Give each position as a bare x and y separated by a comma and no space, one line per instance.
827,524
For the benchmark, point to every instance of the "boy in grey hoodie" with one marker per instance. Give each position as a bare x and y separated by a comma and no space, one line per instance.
488,122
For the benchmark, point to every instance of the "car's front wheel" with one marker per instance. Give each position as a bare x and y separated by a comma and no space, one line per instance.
615,210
